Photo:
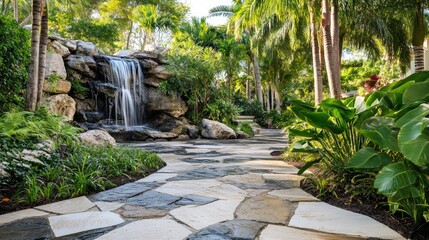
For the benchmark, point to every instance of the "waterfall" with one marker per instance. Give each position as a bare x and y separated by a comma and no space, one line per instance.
127,77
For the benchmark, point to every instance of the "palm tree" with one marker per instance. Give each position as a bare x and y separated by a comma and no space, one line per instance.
418,37
33,72
42,53
317,67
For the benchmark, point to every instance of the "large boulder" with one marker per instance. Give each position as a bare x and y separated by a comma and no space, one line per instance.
55,66
216,130
86,48
159,102
82,64
166,123
57,47
97,138
58,86
61,104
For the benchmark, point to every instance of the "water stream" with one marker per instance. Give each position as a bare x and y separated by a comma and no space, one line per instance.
128,104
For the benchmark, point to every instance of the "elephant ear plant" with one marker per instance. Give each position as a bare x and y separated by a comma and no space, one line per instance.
384,136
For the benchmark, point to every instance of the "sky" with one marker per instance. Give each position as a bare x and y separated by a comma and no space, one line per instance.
200,8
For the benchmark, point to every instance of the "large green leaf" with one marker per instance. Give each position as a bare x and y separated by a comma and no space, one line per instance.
337,109
368,158
395,177
302,105
309,133
374,98
380,131
414,115
304,147
416,92
413,141
307,165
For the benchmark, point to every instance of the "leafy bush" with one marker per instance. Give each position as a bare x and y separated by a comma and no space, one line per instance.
245,127
14,62
221,110
377,143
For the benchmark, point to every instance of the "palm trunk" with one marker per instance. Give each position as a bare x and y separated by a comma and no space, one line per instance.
15,10
418,39
336,51
249,73
329,58
33,72
129,34
258,83
317,68
272,96
42,53
277,93
267,98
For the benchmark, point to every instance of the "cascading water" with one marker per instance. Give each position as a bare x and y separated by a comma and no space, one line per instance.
127,77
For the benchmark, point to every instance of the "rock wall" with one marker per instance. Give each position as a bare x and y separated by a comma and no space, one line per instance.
77,87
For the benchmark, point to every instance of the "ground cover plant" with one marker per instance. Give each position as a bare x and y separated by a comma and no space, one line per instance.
374,147
70,170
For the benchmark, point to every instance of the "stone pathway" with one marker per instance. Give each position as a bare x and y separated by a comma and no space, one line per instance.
215,190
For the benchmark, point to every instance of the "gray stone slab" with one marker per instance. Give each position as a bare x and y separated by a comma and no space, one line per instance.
272,232
209,172
199,160
199,217
10,217
74,205
265,208
69,224
234,229
157,177
123,192
154,199
29,228
108,206
323,217
195,200
149,229
284,180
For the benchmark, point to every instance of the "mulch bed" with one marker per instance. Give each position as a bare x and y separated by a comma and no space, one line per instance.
376,210
7,207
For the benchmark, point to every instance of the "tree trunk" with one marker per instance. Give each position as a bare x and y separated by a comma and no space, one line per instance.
30,104
418,39
249,73
15,10
272,96
267,99
329,58
277,96
336,51
258,83
42,53
129,35
317,69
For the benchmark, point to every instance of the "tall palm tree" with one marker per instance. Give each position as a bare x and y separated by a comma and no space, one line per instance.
42,53
418,37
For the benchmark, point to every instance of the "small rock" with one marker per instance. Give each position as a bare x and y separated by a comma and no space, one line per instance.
35,153
61,104
192,131
45,145
216,130
3,173
32,159
86,48
161,135
97,138
183,137
242,135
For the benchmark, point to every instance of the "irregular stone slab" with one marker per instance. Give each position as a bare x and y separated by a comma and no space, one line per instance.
27,213
29,228
195,200
294,195
284,180
224,191
157,177
74,205
183,188
199,160
209,172
199,217
154,199
108,206
321,216
272,232
265,209
235,229
130,211
177,167
159,229
79,222
245,178
123,192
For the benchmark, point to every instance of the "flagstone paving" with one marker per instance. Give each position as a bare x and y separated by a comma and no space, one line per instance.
209,190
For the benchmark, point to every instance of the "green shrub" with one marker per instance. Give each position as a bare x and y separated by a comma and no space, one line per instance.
14,62
245,127
222,111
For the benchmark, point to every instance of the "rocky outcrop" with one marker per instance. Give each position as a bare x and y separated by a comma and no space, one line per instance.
61,104
58,48
216,130
97,138
86,48
82,64
159,102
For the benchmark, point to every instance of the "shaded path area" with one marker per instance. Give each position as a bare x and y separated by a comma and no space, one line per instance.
209,189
